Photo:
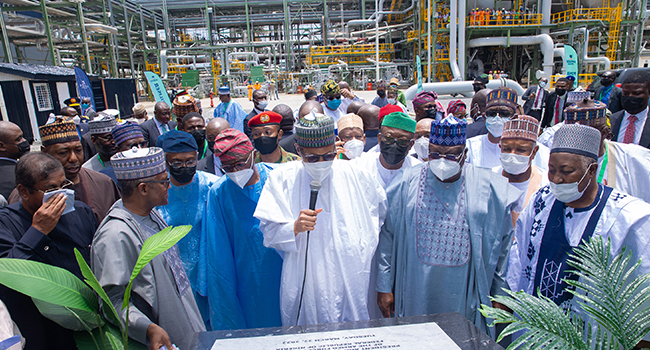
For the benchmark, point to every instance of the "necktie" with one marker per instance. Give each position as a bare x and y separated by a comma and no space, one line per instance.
537,105
165,128
630,130
557,110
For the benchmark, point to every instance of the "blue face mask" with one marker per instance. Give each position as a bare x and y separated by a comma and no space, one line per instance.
334,104
85,105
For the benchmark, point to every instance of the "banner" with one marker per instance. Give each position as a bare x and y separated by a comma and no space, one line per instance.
84,89
571,62
157,88
419,74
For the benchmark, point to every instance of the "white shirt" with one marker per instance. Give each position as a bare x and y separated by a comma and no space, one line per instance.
345,102
334,114
485,154
546,138
369,161
638,131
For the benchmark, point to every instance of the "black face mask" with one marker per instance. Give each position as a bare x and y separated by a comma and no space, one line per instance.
183,174
199,137
266,144
211,146
560,92
23,148
477,88
393,153
633,104
381,93
432,113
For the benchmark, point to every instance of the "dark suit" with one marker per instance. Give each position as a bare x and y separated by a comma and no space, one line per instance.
88,146
476,128
150,131
207,164
287,141
528,105
614,102
371,139
247,129
8,177
616,120
549,110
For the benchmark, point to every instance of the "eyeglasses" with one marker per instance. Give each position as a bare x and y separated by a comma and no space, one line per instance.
452,157
351,137
314,158
179,164
164,182
389,140
501,113
107,138
234,167
330,98
65,184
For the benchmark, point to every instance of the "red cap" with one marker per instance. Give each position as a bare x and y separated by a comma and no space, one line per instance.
265,118
388,109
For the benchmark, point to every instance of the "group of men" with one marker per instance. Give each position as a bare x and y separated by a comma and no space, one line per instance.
337,211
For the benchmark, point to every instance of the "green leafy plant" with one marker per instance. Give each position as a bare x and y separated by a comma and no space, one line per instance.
607,294
62,297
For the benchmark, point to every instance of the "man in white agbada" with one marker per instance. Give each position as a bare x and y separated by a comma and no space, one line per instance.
483,150
573,208
342,232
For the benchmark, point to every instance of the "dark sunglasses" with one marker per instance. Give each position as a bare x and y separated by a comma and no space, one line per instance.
314,158
164,182
503,114
452,157
389,140
330,98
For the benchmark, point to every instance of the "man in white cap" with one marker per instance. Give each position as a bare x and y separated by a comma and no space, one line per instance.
101,137
230,110
140,113
162,308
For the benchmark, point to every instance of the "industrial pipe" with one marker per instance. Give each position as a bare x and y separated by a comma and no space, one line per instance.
585,48
544,40
462,13
464,88
453,40
546,16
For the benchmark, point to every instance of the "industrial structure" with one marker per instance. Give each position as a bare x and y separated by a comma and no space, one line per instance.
205,43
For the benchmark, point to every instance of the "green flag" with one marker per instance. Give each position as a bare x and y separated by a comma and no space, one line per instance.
419,75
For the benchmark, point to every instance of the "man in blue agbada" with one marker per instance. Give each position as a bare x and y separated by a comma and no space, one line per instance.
230,110
243,276
444,245
187,201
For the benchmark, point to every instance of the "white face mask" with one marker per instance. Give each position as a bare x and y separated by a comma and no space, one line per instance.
319,170
422,148
495,125
567,193
443,168
514,164
391,101
263,104
353,148
241,177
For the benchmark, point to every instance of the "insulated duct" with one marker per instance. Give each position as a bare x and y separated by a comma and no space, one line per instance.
464,87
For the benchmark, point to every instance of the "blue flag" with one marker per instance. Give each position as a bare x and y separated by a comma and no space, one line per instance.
84,89
158,88
571,62
419,75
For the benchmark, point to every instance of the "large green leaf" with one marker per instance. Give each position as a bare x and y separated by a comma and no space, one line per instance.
151,248
76,320
84,340
91,280
48,283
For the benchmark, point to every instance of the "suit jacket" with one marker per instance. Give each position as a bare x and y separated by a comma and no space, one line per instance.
7,177
287,143
550,109
614,103
528,105
88,146
150,130
207,164
617,118
247,129
477,128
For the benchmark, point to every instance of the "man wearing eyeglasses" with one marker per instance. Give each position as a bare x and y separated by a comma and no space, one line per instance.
483,150
162,306
101,137
38,230
332,101
444,245
334,268
242,279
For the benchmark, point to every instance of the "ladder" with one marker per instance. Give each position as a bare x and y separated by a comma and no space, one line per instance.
612,35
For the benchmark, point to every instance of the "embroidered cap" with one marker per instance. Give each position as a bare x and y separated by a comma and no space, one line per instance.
102,124
59,131
456,106
315,130
350,120
126,131
523,127
424,97
450,131
138,163
586,112
503,96
577,139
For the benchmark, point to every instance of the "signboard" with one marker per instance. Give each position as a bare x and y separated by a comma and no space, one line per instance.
419,74
422,336
571,62
157,88
84,88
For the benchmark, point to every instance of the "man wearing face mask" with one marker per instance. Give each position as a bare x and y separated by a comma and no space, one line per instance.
555,103
349,211
242,276
535,97
332,101
574,208
391,96
87,109
381,100
186,205
609,93
426,106
266,134
194,124
260,102
12,146
483,150
421,139
632,125
101,137
352,136
444,245
395,141
211,164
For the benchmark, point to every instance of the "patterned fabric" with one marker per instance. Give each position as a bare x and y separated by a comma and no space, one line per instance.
315,130
285,157
424,97
524,127
330,88
503,96
392,89
265,118
350,120
586,112
630,131
59,131
176,141
456,106
399,120
138,163
184,103
577,96
102,124
224,90
451,131
577,139
231,144
126,131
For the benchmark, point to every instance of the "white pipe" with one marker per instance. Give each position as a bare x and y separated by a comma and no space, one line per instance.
377,7
546,15
429,41
163,64
544,40
462,13
585,48
461,87
453,14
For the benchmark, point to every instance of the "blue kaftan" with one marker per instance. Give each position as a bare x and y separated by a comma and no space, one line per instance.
233,113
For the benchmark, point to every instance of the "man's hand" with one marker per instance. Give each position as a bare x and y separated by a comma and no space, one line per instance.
306,221
386,302
532,96
48,215
340,149
158,337
347,93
